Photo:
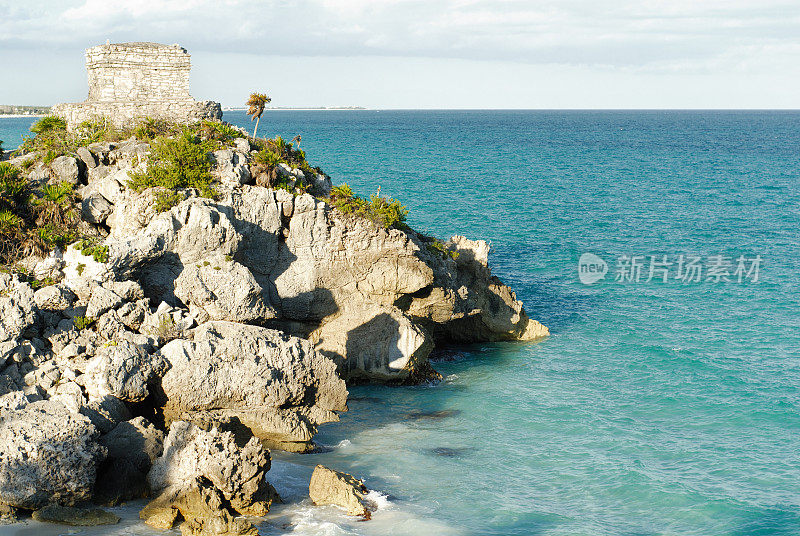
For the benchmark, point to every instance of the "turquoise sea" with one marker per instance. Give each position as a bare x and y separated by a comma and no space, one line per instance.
654,408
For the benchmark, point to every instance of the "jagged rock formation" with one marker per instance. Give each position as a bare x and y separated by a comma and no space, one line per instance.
47,454
274,384
262,256
207,479
339,489
242,315
132,81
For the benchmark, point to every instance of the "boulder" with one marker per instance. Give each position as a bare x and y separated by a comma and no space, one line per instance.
48,454
54,297
86,156
132,446
122,369
242,145
373,342
95,208
50,266
339,489
18,310
276,384
203,509
66,169
232,167
222,289
136,440
106,412
101,300
237,471
69,515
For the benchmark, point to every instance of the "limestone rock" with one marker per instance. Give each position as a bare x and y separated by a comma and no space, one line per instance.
232,169
106,412
17,307
89,159
222,289
124,370
340,489
256,255
132,448
238,472
54,297
95,208
137,440
101,300
203,509
82,273
69,515
373,342
276,384
66,169
47,455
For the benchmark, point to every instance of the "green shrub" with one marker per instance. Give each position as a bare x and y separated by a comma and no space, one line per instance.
98,252
267,158
36,284
98,130
48,123
10,223
166,330
81,322
437,247
384,211
166,199
13,188
55,206
214,131
180,162
50,236
151,128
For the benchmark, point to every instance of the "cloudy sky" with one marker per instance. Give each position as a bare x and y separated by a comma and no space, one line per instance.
427,54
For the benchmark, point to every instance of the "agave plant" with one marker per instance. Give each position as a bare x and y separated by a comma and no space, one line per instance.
55,205
10,223
13,188
280,146
256,104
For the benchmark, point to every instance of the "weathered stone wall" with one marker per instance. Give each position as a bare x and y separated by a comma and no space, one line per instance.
138,72
131,81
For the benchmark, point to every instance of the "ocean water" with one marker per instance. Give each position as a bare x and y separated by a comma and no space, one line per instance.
654,408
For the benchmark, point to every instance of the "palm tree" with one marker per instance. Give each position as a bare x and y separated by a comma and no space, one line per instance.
297,139
256,104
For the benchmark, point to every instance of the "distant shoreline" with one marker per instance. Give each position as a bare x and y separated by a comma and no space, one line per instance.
297,109
20,116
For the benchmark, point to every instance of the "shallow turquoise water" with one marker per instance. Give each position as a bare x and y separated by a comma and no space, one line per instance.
654,408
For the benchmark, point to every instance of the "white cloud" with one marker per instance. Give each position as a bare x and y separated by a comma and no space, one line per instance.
625,33
721,40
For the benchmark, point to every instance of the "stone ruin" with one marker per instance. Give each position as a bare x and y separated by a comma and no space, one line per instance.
132,81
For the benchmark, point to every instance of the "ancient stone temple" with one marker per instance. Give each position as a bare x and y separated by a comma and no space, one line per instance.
132,81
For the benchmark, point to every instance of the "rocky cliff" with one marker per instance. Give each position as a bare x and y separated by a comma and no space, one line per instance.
246,311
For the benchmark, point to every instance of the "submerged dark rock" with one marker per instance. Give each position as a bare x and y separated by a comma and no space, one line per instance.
67,515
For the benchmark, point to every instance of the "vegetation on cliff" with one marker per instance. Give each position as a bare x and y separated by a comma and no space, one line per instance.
33,221
36,217
384,211
255,107
179,162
